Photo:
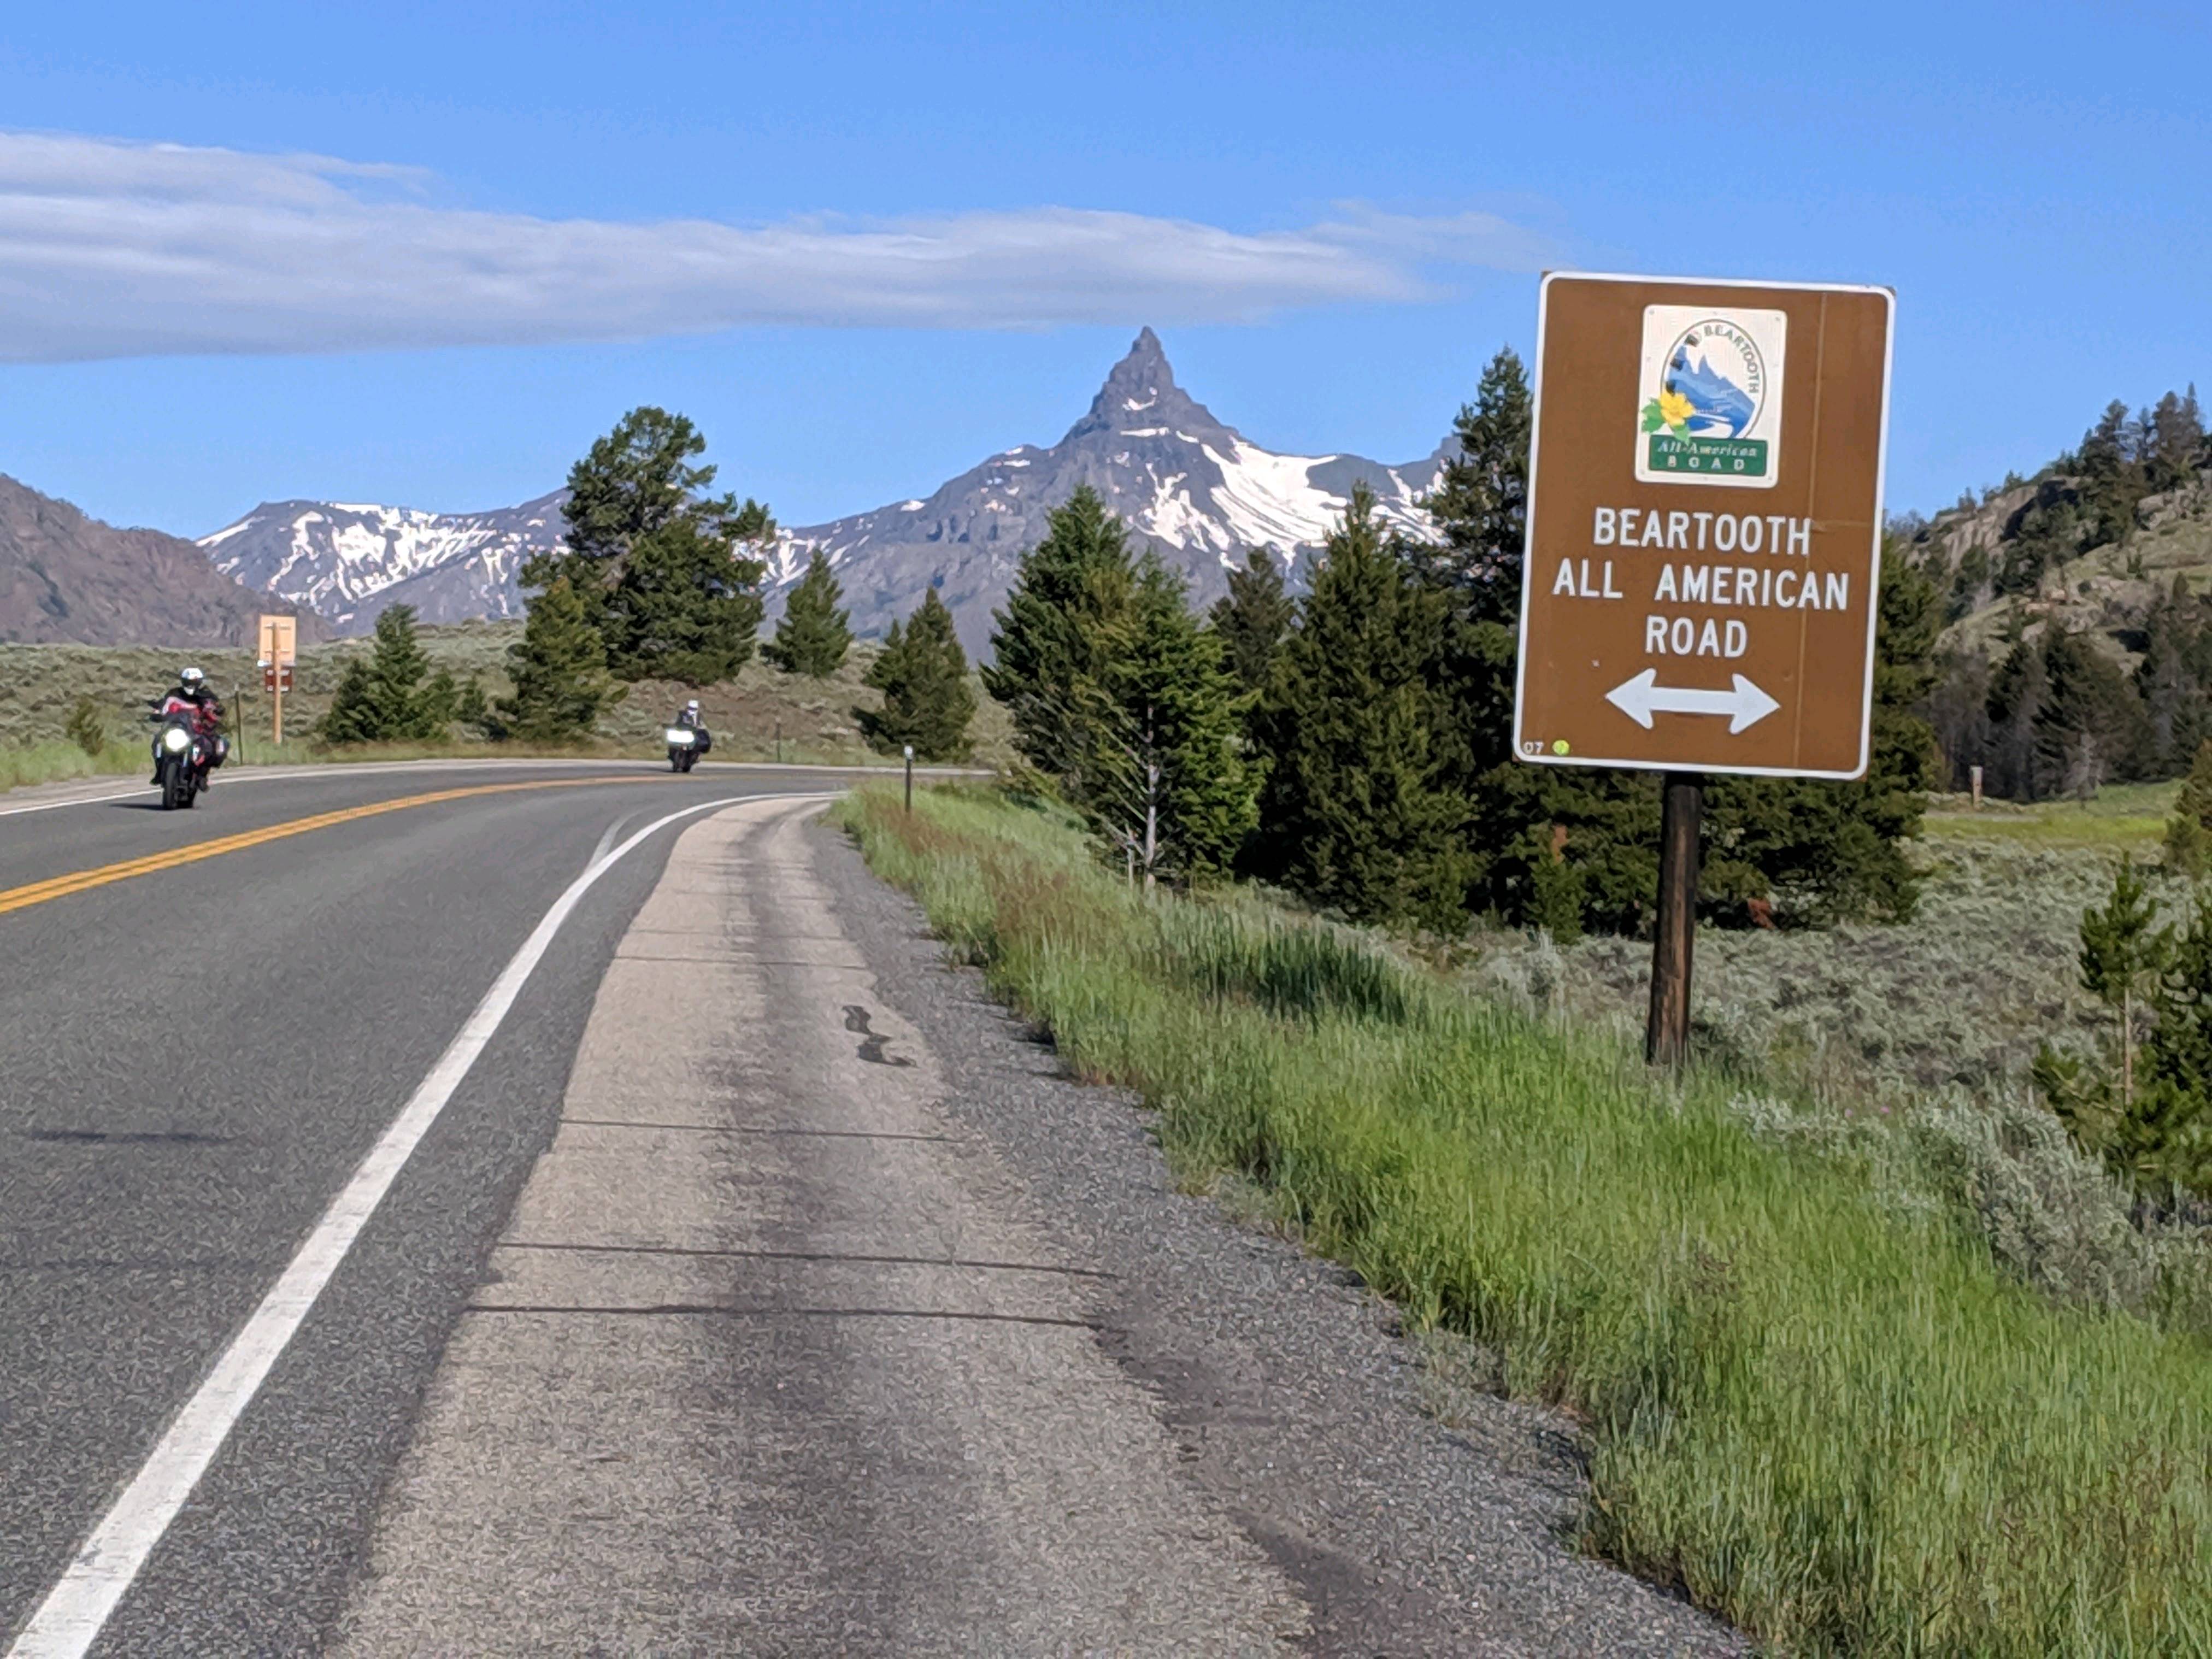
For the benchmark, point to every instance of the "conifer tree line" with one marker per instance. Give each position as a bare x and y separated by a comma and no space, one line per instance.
1353,744
2059,708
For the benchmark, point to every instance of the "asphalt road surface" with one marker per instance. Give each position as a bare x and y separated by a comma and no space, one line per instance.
194,1061
566,1209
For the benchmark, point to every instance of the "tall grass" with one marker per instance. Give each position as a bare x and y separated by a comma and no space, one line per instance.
53,763
1829,1420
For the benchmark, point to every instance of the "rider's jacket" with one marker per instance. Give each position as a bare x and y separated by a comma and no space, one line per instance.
206,713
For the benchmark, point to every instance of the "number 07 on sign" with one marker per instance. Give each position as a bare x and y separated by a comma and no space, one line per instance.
1704,525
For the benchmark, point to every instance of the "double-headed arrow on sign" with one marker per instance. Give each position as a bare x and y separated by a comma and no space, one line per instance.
1643,696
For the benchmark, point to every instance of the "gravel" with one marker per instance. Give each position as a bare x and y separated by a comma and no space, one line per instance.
1417,1512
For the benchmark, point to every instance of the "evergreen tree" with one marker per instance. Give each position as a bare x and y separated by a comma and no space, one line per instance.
2163,1137
2172,679
1051,639
1164,780
658,567
2123,952
1252,618
685,607
2017,693
384,699
814,634
1481,499
923,675
2110,462
559,670
2188,831
2087,731
2176,441
1358,810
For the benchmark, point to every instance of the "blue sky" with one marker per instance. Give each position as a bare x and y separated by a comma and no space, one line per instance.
865,246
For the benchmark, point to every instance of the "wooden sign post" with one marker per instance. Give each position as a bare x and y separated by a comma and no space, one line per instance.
1704,550
279,647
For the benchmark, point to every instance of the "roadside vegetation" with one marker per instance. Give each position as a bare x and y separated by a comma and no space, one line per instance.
1817,1400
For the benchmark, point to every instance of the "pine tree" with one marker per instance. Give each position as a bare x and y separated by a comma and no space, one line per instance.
1252,618
923,675
685,607
2017,693
2163,1138
2123,952
1481,499
1165,782
1357,811
559,671
659,567
2088,729
1049,641
2188,831
814,634
384,699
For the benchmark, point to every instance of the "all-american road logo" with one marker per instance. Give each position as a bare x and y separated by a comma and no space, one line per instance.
1712,391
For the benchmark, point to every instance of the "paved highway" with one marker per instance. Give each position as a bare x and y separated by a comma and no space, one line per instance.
525,1209
195,1060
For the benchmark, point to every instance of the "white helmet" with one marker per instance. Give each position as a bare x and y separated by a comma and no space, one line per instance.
692,707
191,679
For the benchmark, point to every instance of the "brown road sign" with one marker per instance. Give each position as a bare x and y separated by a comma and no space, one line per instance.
1704,525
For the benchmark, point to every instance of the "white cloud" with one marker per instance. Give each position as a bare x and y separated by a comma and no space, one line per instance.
110,249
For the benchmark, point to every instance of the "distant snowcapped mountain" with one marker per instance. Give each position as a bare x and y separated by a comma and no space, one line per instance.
1194,488
1187,484
349,562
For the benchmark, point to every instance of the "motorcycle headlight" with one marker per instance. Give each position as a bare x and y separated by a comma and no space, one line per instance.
176,739
681,736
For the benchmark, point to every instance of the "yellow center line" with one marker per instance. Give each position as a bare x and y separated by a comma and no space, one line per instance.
78,881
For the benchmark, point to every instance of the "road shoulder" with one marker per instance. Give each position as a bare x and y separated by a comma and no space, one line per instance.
1296,1405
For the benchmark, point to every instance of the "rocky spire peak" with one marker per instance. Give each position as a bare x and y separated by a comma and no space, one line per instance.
1140,394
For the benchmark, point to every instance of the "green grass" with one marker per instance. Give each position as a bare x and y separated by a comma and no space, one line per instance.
1827,1419
763,714
2124,816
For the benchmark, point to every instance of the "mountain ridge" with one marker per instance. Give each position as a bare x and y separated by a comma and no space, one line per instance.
1189,484
67,578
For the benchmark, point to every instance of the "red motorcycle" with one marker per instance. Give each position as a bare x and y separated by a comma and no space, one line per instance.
186,748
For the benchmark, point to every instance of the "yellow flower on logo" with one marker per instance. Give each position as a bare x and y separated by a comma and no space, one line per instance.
1674,409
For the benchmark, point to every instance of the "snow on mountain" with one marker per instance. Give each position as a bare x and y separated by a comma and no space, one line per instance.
1189,486
348,562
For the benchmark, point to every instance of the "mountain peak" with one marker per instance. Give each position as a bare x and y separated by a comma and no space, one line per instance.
1140,395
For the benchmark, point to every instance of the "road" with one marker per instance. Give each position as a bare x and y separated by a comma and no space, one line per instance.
479,1210
195,1059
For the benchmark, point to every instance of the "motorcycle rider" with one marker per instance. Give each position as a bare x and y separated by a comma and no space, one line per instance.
194,698
692,718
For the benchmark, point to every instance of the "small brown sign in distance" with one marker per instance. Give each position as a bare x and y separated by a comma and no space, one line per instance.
279,645
1704,525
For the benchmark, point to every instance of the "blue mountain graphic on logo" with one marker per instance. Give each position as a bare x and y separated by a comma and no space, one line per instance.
1718,405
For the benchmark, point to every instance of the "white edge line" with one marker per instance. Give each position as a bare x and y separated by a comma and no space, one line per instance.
75,1612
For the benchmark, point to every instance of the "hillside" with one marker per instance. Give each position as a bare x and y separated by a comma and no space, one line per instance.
813,718
1188,484
2077,649
2105,588
67,577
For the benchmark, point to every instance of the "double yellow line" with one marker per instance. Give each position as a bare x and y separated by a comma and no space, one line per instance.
79,881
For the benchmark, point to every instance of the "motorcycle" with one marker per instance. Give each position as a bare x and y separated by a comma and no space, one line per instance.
182,757
686,744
